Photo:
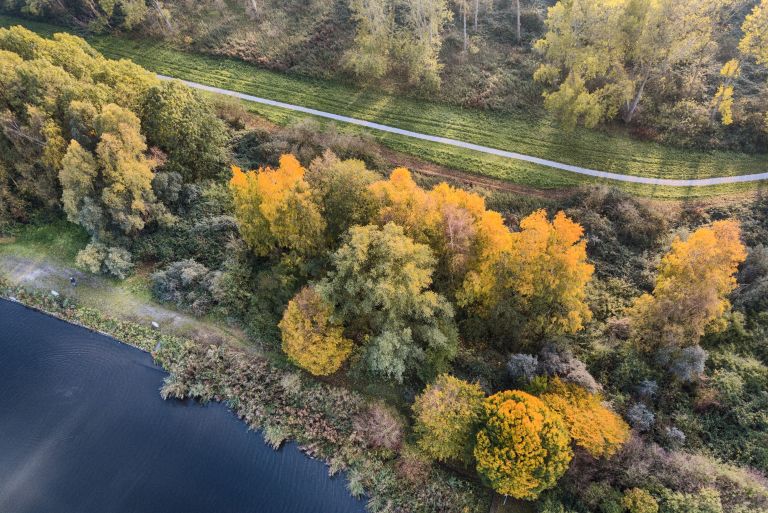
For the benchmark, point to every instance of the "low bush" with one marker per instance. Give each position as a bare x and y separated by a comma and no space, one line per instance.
188,285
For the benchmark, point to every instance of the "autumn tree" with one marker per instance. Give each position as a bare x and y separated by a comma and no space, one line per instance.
108,190
340,187
379,286
40,80
447,415
592,426
754,42
600,56
692,286
110,187
310,338
275,209
523,447
753,45
533,279
453,222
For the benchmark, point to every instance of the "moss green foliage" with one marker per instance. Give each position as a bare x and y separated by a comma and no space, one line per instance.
184,126
637,500
341,188
447,415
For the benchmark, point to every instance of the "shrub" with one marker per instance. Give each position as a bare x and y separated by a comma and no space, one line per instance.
187,284
640,417
523,447
603,498
99,258
705,501
447,415
555,361
752,295
380,427
522,368
637,500
685,364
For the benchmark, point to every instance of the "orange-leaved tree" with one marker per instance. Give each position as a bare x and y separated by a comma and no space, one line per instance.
692,288
523,447
447,414
593,426
275,210
453,222
310,339
534,279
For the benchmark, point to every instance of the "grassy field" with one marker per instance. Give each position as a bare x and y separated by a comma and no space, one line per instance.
539,137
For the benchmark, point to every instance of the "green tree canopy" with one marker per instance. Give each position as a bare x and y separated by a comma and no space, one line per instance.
182,123
379,286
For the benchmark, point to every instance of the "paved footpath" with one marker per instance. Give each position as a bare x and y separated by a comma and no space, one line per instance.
477,147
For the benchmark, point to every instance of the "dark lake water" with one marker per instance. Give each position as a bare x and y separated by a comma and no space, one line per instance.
84,430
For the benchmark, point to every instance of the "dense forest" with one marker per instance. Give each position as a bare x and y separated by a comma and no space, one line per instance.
690,74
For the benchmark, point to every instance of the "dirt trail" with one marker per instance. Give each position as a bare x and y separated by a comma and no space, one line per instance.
113,299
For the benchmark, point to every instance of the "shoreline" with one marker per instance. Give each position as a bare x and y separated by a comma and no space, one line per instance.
269,401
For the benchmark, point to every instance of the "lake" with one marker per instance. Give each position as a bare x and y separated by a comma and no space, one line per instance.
83,429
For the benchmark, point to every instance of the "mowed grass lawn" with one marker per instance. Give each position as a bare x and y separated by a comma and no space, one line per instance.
539,137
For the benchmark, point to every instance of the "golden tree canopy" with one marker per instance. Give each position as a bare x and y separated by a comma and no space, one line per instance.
692,287
310,339
539,274
593,426
275,209
523,447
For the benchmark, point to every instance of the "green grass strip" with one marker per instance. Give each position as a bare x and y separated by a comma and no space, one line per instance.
539,137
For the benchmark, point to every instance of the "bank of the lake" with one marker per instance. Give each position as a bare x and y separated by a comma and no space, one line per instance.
85,430
285,406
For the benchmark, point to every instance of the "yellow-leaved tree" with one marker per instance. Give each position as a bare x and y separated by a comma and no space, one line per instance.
523,447
275,210
310,339
453,222
692,288
447,414
532,281
593,426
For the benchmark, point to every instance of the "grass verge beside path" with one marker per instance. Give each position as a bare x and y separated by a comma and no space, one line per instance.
42,257
538,137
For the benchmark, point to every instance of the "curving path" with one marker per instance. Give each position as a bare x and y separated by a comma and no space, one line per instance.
483,149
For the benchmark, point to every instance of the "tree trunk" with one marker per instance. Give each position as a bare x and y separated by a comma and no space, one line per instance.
632,107
162,16
465,30
519,36
477,9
